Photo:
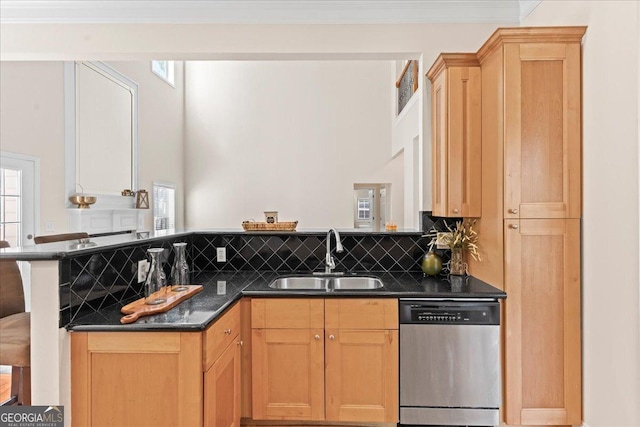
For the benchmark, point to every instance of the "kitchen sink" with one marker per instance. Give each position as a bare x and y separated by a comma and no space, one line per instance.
299,283
356,283
326,283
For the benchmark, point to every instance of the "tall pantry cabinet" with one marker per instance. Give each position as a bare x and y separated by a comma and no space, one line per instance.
530,223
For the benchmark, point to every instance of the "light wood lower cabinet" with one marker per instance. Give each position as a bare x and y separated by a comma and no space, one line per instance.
288,374
345,371
156,379
222,388
136,379
542,322
362,375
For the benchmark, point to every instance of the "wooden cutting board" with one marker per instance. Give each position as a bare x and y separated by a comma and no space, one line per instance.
138,308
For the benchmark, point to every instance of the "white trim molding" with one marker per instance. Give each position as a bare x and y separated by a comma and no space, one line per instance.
70,122
266,11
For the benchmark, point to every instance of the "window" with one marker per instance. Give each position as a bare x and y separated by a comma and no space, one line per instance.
164,206
165,70
10,204
364,208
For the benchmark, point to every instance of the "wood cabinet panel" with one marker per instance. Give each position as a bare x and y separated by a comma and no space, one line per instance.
219,335
222,389
542,131
289,313
136,379
456,135
542,324
531,171
362,375
245,349
353,357
288,374
439,144
361,313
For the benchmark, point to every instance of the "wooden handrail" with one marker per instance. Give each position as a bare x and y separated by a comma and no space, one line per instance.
414,71
404,70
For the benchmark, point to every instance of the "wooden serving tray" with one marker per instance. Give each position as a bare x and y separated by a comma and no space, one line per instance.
138,308
276,226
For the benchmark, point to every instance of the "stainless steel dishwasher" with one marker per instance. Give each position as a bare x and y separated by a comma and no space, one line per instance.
450,362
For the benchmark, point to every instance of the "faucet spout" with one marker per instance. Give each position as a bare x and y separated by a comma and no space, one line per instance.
328,260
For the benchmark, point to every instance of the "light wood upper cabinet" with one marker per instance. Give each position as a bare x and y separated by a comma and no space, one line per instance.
456,135
542,324
542,130
136,379
222,388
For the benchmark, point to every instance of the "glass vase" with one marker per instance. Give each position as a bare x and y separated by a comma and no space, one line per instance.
180,269
156,279
457,266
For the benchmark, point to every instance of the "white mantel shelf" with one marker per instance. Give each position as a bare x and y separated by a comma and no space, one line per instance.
105,220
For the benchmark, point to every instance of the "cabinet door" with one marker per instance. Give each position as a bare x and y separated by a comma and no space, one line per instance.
439,145
542,130
542,322
288,374
362,375
136,379
456,142
222,389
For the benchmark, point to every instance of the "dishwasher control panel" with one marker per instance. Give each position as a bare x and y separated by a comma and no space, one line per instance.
450,312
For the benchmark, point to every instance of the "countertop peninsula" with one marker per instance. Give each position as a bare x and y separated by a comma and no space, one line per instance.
222,289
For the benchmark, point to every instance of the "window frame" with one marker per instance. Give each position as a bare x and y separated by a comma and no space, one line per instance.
166,185
170,78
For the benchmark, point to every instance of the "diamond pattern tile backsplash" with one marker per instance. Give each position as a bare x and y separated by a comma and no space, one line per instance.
93,281
305,252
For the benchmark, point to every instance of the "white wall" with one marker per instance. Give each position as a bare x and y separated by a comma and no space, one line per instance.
290,136
610,254
32,123
210,41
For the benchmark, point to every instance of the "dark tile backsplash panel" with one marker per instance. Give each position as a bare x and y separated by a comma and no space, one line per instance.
93,281
305,253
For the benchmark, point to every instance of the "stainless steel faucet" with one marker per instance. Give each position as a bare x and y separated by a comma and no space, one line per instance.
329,263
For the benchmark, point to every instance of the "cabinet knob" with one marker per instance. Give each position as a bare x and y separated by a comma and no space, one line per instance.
316,337
227,331
513,211
240,343
514,226
332,337
456,210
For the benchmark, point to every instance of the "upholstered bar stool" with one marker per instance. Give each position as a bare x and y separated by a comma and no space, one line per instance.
60,237
15,331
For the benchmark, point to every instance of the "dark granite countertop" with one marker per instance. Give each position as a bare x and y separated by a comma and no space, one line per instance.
221,290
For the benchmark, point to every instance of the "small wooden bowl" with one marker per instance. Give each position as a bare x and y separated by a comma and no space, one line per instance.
82,202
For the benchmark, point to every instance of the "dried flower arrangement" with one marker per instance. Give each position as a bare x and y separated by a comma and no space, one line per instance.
464,237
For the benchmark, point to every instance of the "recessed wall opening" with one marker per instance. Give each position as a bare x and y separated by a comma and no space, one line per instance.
371,206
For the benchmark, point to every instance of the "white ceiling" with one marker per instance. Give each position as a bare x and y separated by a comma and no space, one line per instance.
266,11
